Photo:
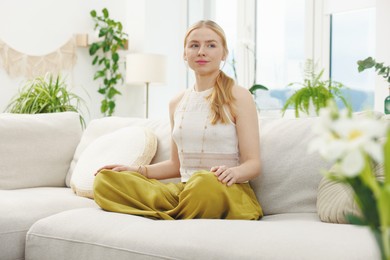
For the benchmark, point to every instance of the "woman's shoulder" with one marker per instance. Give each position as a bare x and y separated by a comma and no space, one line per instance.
241,94
176,100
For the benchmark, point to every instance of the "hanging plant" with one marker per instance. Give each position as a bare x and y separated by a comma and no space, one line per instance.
106,58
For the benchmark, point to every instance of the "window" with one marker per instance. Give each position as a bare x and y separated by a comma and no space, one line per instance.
270,42
226,17
280,50
223,12
348,45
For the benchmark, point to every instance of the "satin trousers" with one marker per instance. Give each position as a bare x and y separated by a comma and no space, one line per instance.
203,196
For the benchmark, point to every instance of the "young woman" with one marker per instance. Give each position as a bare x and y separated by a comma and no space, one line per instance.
215,147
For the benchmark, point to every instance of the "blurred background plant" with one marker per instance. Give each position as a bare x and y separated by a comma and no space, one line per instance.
107,58
314,93
381,70
48,94
379,67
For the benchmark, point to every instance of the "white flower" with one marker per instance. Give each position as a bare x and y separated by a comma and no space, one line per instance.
347,139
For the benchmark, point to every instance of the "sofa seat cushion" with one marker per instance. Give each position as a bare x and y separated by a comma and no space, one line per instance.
96,234
19,209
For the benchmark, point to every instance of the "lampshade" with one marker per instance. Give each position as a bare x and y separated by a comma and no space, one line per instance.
145,68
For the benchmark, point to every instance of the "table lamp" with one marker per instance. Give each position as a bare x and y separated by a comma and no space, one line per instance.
145,68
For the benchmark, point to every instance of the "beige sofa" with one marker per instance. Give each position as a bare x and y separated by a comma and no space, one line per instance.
41,217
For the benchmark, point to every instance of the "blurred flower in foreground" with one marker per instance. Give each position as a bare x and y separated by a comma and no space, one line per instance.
346,139
356,143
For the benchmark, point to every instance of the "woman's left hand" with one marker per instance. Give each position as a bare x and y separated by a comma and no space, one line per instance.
224,174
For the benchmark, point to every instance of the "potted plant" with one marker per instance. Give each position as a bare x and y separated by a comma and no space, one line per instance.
106,57
45,95
381,70
314,93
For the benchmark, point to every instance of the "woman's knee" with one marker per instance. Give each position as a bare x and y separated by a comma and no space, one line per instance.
204,185
203,178
100,180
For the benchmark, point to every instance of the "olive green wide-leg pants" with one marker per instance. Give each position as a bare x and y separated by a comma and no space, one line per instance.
203,196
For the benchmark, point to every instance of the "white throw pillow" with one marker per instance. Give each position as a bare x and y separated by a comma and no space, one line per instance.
129,146
102,126
36,149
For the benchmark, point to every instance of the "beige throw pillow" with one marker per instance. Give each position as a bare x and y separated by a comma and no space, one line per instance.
129,146
335,200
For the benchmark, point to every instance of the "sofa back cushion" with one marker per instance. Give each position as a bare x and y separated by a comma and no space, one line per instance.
289,174
36,149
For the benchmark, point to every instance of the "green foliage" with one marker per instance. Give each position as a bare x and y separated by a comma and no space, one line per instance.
314,91
106,57
365,198
45,95
256,87
387,155
380,69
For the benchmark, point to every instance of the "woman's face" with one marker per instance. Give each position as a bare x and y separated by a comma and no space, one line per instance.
204,51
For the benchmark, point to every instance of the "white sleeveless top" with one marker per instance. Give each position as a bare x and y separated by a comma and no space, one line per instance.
200,144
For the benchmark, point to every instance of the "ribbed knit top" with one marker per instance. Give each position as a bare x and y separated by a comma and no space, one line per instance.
200,144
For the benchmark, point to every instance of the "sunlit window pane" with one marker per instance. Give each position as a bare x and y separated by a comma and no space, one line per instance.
226,17
353,39
280,49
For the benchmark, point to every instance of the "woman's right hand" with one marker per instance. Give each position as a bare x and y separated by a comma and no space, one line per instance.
117,168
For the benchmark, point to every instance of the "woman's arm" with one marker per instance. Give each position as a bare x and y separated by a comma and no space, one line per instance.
248,141
162,170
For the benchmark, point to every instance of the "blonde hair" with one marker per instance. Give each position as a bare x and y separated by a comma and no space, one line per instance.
222,93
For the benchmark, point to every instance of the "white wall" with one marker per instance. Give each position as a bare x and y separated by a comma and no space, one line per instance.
38,27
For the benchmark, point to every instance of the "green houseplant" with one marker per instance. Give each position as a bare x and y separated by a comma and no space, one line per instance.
106,57
381,70
314,93
47,94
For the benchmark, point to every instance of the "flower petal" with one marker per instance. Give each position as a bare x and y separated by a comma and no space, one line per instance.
353,163
375,151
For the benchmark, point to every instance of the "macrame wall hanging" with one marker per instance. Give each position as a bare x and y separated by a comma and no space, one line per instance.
17,64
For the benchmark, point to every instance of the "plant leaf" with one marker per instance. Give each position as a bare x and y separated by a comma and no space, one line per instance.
387,159
105,12
366,64
93,48
256,87
115,57
99,74
352,219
